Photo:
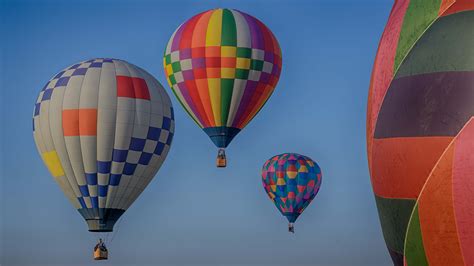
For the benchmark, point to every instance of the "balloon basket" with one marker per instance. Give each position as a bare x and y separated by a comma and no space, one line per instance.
291,228
221,160
101,254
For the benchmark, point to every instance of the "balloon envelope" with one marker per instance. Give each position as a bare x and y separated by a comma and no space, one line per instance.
222,65
291,181
421,96
103,127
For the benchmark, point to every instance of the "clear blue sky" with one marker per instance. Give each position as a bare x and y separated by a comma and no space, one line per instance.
193,213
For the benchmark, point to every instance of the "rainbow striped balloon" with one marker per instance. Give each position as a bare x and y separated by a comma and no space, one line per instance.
222,65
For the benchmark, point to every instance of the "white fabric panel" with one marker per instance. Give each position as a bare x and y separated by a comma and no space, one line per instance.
55,114
243,31
123,134
73,143
237,93
89,100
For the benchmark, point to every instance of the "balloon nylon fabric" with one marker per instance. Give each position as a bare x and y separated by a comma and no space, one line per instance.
291,181
424,64
222,65
103,127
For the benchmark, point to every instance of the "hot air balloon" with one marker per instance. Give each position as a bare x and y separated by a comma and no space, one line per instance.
103,128
222,65
291,181
421,96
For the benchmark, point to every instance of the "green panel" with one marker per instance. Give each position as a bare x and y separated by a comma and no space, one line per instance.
176,66
256,64
229,29
244,52
168,59
394,215
415,252
419,15
172,79
241,73
227,86
446,46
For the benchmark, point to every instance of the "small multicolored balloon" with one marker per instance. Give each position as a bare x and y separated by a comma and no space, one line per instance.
222,66
291,181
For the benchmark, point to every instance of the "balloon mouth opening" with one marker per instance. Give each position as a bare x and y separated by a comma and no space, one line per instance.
101,220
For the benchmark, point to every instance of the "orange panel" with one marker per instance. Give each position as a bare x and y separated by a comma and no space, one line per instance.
445,4
463,190
88,122
438,225
71,122
460,5
400,166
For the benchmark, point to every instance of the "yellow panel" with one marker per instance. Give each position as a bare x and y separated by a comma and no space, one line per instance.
228,51
228,73
51,160
281,181
214,29
169,70
243,63
215,94
303,169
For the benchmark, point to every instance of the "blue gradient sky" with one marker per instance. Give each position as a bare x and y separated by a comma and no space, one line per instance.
193,213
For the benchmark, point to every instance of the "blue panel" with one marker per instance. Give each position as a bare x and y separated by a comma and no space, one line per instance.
137,144
153,133
170,138
172,113
74,66
47,94
62,82
108,60
59,75
82,202
129,168
119,155
114,179
95,202
145,158
91,179
84,191
221,136
159,148
166,123
79,72
37,108
96,64
103,167
103,191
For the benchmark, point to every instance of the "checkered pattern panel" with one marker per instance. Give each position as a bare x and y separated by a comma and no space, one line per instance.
85,136
223,75
63,77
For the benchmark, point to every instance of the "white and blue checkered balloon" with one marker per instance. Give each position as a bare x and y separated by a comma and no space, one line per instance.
103,127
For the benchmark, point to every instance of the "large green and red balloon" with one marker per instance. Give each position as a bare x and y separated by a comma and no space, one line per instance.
421,97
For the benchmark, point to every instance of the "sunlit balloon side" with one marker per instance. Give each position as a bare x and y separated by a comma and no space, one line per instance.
291,181
222,66
103,128
421,97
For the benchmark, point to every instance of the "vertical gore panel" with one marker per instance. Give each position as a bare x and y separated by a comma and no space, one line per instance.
414,250
419,16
